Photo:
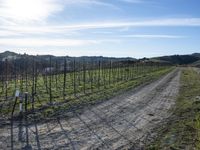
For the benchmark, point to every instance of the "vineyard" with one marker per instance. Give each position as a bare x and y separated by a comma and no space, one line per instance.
46,88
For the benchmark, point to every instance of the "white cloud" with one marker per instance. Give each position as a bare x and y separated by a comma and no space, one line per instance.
154,36
8,33
36,42
63,29
89,2
26,11
133,1
144,23
20,12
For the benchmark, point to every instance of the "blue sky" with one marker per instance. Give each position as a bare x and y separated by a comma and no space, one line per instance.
119,28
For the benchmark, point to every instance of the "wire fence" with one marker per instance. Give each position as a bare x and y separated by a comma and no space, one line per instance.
53,82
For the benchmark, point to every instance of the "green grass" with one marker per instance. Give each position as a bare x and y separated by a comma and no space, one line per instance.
120,80
182,130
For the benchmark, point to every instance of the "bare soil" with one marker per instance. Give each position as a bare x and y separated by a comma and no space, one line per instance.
122,122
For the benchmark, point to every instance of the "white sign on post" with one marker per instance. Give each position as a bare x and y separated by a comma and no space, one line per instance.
17,93
20,107
21,104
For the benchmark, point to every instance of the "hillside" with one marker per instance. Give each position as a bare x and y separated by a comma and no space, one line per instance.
180,59
196,63
196,54
173,59
43,58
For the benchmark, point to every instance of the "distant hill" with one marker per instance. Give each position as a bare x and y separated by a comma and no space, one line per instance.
173,59
196,54
45,58
179,59
8,55
196,63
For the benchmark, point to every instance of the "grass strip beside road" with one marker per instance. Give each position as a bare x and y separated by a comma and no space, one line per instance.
182,130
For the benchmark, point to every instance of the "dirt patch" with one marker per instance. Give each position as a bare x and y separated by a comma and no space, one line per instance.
121,122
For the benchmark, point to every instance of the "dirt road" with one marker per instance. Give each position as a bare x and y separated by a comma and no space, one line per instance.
121,122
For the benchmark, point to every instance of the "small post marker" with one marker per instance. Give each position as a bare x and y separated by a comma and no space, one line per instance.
16,97
17,93
20,106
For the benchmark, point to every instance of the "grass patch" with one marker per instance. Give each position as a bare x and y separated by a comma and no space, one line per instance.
182,130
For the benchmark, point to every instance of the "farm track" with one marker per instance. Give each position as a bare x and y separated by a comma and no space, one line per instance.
122,122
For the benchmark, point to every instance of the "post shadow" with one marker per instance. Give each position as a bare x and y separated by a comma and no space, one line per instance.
21,130
27,146
11,133
37,136
66,134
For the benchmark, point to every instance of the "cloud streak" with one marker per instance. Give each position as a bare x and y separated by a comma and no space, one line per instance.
152,36
89,3
36,42
61,29
187,22
32,11
132,1
28,11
